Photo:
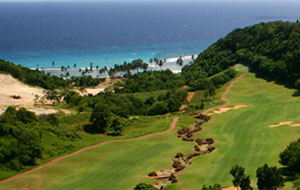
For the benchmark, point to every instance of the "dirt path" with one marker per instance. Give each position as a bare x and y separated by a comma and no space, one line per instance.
227,102
190,96
201,147
172,126
188,99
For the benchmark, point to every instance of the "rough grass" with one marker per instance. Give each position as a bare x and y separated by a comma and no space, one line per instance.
242,137
54,147
118,165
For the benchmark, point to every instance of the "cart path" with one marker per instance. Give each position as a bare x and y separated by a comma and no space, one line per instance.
227,102
172,126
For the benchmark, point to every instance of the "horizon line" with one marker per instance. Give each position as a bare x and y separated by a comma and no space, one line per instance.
154,1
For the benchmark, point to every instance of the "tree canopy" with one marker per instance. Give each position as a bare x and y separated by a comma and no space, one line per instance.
271,50
269,178
290,159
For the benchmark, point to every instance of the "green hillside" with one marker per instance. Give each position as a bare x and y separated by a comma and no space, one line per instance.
242,137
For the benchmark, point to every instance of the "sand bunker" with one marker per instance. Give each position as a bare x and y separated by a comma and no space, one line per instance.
290,123
230,188
15,93
226,109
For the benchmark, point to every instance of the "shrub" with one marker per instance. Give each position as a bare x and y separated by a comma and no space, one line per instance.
179,155
144,186
199,141
197,148
209,141
178,165
173,178
152,174
183,131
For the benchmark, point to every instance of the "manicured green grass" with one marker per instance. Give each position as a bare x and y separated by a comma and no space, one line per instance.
242,137
118,165
54,147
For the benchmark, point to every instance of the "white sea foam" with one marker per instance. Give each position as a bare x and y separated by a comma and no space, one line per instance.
170,63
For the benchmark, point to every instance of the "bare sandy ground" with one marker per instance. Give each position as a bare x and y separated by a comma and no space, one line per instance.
172,126
290,123
10,86
190,96
99,88
189,99
93,91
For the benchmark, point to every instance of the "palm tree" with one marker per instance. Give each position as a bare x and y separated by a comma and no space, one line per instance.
151,60
156,61
161,63
91,66
179,62
145,66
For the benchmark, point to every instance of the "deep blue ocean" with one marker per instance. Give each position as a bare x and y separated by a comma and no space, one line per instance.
35,34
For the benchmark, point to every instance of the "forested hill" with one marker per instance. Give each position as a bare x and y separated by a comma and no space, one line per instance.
271,50
46,81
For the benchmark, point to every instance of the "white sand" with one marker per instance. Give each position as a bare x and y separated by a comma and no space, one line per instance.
10,86
226,109
290,123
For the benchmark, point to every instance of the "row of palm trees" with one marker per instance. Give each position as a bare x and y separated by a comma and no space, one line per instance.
126,68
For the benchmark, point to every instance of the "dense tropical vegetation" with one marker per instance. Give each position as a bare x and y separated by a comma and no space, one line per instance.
46,81
21,137
127,68
151,81
271,50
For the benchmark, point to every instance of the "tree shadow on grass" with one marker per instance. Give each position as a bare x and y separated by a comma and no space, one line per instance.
89,128
296,93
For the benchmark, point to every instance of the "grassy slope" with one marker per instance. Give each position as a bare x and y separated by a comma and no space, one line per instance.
139,126
116,165
242,137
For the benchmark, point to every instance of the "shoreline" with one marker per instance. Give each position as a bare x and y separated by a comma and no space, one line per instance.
170,63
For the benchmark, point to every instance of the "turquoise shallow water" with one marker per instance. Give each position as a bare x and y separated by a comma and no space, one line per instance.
35,34
104,56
